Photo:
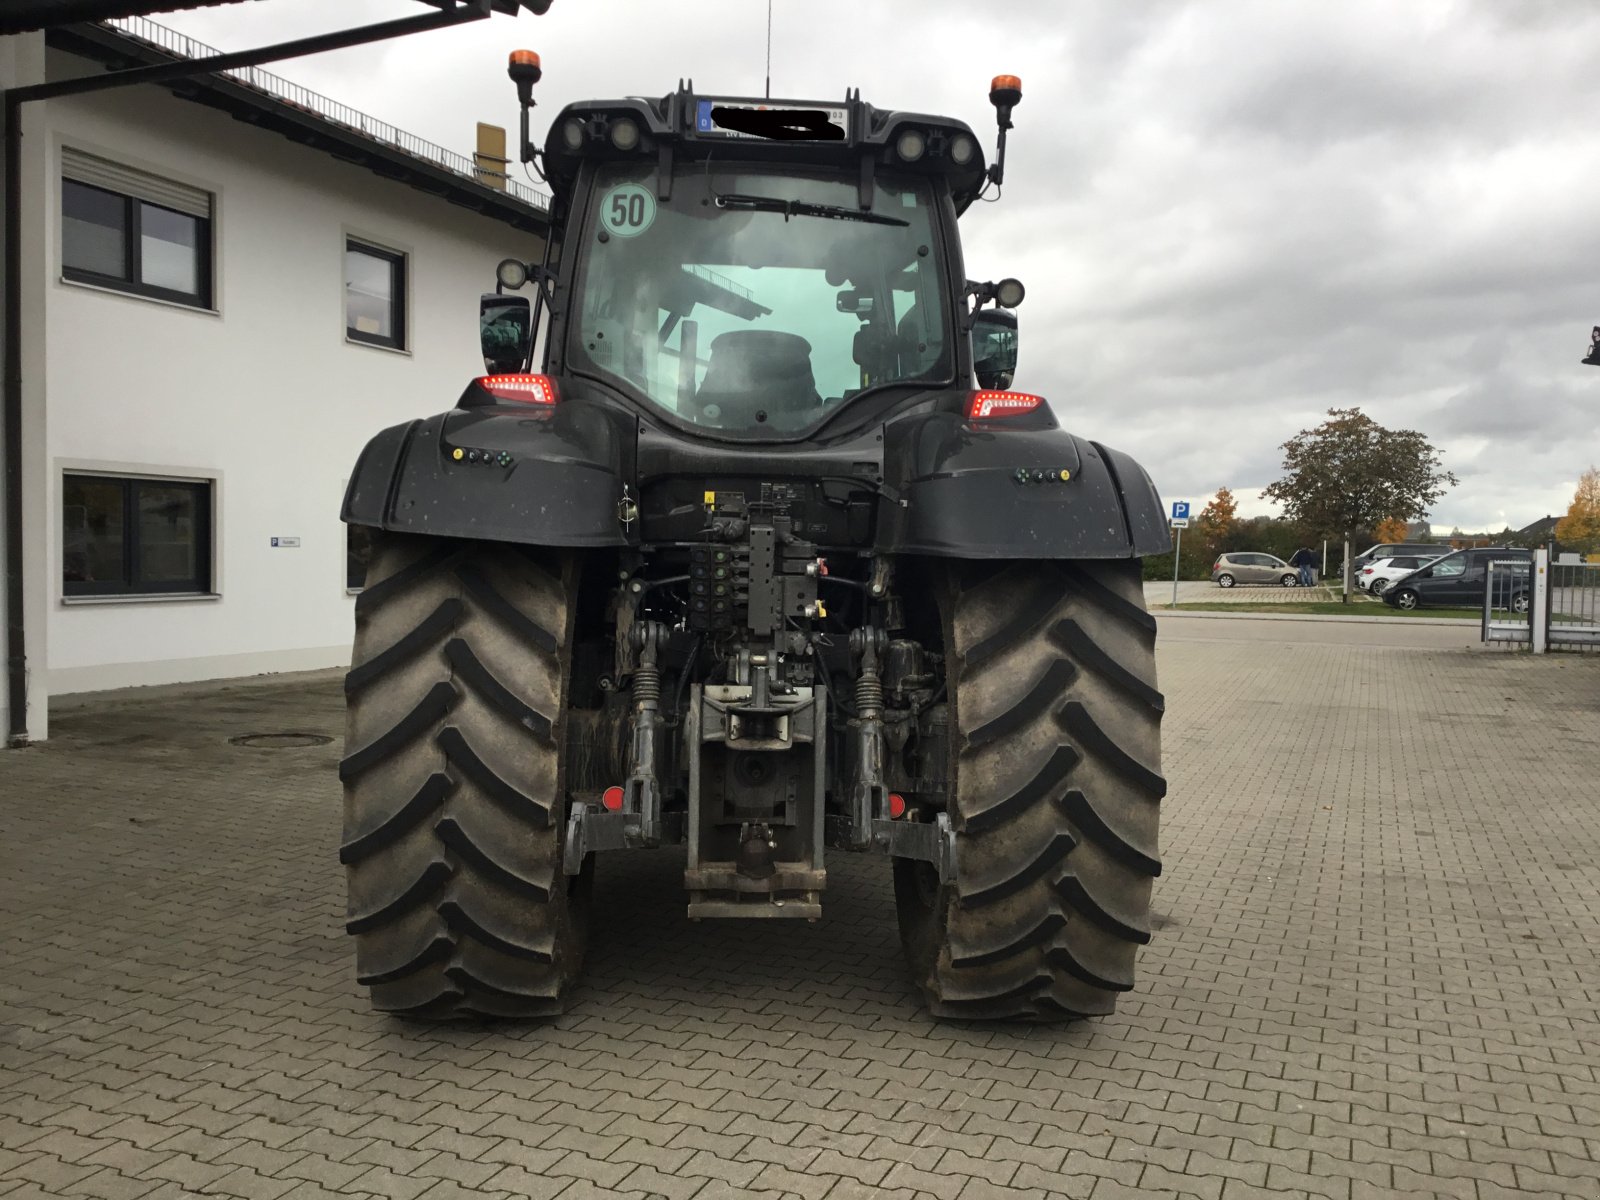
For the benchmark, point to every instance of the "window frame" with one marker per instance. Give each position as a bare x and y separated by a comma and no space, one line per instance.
202,583
133,251
400,314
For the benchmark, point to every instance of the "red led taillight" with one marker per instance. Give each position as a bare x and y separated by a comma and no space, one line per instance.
521,388
986,406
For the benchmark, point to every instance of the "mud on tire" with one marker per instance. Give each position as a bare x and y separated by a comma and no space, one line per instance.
456,708
1057,789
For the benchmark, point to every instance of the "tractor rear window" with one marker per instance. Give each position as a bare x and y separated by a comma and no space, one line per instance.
758,303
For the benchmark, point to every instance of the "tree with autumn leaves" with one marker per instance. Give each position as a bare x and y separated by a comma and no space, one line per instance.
1350,473
1391,529
1580,528
1216,521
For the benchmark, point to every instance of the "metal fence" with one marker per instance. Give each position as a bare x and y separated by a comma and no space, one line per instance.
286,92
1544,606
1574,605
1508,602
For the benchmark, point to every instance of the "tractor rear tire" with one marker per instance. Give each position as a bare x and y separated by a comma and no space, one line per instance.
453,779
1056,790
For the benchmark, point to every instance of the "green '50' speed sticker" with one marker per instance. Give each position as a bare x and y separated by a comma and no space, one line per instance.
627,210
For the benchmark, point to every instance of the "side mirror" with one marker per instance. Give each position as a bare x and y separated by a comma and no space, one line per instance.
1425,573
505,332
994,348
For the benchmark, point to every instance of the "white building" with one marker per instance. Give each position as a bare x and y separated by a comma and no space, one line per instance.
225,292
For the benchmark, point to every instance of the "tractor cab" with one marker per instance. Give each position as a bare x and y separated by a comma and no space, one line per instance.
745,269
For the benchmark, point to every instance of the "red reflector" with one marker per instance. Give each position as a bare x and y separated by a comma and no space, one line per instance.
897,806
522,388
988,405
612,799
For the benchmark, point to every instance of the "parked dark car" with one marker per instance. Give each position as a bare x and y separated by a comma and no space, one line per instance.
1457,581
1378,574
1391,549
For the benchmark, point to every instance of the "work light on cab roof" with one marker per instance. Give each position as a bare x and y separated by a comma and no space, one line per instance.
686,124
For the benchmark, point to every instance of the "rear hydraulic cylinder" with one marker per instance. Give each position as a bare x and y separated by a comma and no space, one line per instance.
868,793
643,792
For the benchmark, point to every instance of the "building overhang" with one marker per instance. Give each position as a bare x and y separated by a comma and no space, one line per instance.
254,106
26,16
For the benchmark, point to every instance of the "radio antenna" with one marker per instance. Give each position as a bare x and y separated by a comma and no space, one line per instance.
769,49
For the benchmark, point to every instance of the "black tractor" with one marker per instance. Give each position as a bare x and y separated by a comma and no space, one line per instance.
739,545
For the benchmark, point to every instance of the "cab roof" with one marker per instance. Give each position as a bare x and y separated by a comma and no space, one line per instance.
684,126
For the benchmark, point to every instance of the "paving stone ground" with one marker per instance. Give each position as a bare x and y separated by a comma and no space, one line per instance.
1375,974
1196,591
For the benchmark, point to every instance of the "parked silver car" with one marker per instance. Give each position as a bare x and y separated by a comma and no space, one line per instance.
1251,567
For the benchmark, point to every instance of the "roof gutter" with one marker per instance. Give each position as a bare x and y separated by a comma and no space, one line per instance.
452,13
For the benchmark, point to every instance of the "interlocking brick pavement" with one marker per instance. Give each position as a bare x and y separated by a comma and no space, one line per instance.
1375,974
1158,593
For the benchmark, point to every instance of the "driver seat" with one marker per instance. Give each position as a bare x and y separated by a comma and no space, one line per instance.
748,370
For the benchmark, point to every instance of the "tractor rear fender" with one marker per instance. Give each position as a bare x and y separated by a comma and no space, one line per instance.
505,473
957,483
1014,488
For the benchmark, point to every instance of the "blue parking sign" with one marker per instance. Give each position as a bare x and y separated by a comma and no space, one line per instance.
1180,510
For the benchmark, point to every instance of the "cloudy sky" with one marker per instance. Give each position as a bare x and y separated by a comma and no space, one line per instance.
1230,215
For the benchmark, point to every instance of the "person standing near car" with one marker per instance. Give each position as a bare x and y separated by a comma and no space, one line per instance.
1304,559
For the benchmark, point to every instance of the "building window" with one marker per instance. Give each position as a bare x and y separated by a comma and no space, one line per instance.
374,295
134,232
357,553
135,536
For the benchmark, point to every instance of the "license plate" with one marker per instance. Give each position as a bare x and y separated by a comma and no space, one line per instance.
811,122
